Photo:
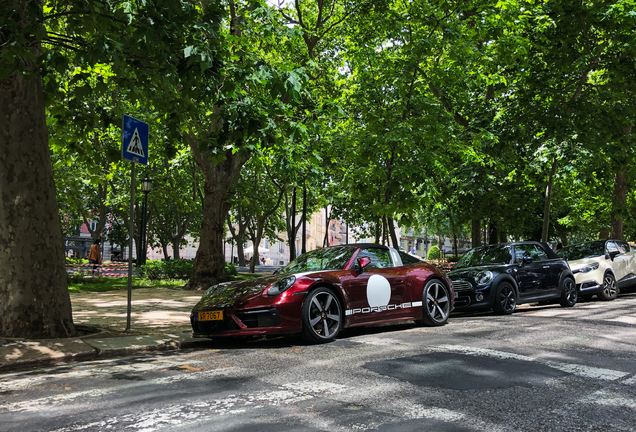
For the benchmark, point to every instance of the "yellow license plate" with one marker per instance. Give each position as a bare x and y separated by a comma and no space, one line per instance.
211,316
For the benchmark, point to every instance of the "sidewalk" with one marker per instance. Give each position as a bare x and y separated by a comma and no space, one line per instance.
160,320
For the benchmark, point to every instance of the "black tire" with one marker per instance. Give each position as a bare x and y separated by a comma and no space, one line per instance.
321,316
505,298
435,304
569,294
610,290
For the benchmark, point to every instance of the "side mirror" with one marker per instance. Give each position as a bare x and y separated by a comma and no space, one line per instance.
613,255
362,263
527,259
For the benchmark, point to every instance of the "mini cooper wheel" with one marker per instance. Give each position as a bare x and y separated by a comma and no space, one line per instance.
569,294
435,304
610,291
321,316
505,299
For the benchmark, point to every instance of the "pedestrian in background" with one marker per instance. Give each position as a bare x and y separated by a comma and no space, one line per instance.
94,255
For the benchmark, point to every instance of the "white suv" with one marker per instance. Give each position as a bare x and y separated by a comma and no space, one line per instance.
601,267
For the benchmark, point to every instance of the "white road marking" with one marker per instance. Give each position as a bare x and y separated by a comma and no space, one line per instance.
29,381
45,402
588,371
181,414
573,368
629,381
606,398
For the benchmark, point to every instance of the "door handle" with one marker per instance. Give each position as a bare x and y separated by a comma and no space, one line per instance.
400,280
546,266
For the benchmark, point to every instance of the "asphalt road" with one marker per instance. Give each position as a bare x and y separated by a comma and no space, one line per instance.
541,369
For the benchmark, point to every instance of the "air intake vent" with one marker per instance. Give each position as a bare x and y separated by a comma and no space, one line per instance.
461,285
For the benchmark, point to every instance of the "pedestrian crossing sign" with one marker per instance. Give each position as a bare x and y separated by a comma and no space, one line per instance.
134,141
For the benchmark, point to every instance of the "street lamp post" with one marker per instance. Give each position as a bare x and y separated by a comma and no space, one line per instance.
146,187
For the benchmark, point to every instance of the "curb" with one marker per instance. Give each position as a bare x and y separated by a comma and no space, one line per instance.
98,354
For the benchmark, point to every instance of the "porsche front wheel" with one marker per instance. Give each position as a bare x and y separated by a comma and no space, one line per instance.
435,304
321,316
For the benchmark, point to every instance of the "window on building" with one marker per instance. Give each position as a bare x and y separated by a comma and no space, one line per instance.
93,225
266,243
401,244
281,247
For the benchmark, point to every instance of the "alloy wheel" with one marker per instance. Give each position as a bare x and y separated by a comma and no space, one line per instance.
437,302
324,315
507,298
570,291
609,286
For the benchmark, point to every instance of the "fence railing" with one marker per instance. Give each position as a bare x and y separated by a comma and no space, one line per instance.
105,270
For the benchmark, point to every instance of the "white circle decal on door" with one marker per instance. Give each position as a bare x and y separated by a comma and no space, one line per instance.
378,291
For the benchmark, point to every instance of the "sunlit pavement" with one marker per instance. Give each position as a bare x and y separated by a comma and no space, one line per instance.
541,369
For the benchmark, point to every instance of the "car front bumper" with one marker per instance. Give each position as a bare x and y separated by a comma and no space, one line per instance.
478,298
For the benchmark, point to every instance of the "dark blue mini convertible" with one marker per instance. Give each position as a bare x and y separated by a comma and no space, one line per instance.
501,276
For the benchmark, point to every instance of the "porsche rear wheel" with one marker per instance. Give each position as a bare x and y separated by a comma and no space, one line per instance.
435,304
321,316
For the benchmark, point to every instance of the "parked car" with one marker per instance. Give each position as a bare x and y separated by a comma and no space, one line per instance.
601,267
326,290
504,275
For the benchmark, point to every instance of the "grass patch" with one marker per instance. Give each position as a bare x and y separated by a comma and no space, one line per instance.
101,284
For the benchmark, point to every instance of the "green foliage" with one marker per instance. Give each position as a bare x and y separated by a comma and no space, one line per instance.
452,258
434,253
170,269
231,269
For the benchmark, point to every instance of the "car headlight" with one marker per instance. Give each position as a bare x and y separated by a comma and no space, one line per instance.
281,285
588,268
484,277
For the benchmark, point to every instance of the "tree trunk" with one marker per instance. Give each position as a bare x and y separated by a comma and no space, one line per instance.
548,200
503,237
34,299
291,228
452,224
175,248
604,234
325,240
394,239
475,233
260,226
618,204
209,263
378,231
164,246
493,235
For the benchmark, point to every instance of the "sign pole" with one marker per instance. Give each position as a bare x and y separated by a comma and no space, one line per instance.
130,243
134,148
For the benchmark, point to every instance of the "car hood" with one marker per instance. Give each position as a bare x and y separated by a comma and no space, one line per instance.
576,264
470,273
238,293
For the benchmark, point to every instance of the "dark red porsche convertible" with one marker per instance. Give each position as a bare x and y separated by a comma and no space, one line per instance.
326,290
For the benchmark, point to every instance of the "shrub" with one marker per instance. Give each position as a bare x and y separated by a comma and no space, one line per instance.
172,269
433,253
231,269
152,270
452,258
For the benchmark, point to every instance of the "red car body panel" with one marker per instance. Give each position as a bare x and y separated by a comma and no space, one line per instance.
406,283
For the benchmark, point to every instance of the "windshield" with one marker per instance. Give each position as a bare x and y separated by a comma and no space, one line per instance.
583,250
335,258
498,254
